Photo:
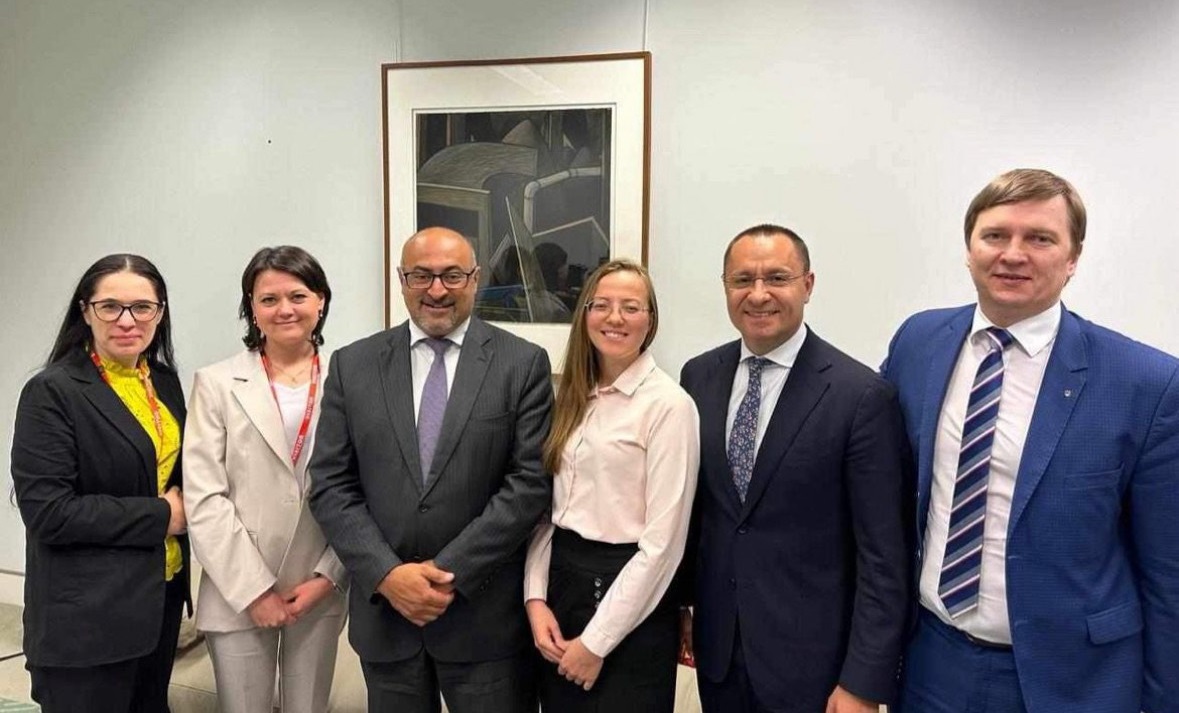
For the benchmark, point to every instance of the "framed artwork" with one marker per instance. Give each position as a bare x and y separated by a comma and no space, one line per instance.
541,163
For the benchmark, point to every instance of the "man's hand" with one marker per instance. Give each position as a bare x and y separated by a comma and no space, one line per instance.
546,634
269,611
305,596
841,701
419,592
177,522
580,665
444,587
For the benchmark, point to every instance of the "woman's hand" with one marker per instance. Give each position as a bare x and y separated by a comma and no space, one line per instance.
177,522
269,611
580,665
546,634
305,596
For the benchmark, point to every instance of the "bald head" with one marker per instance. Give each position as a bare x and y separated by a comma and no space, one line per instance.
437,238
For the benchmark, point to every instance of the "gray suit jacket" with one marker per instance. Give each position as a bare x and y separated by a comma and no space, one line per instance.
474,512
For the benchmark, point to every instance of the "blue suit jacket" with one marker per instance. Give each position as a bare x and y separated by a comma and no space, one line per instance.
1093,538
814,565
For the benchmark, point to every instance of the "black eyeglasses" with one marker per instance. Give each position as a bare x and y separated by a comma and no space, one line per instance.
112,311
423,279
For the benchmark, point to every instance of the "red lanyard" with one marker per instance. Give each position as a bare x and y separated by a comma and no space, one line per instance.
300,439
145,379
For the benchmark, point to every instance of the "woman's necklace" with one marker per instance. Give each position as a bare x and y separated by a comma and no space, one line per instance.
292,376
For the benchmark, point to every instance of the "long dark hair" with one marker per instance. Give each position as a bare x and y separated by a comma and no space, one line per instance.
294,261
75,333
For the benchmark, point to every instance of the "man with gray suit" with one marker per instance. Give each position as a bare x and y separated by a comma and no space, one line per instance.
427,481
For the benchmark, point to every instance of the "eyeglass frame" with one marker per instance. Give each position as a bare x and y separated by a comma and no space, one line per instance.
124,308
615,305
440,276
726,280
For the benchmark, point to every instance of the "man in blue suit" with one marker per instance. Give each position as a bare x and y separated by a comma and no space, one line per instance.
801,565
1047,452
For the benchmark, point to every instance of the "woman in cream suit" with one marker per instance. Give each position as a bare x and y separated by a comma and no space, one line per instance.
270,596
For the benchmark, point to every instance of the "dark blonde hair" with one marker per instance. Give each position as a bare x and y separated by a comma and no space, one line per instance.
581,369
1030,184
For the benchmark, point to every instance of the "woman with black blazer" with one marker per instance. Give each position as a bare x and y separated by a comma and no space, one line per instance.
96,469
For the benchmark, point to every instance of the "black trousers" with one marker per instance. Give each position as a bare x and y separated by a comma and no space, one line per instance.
639,674
138,685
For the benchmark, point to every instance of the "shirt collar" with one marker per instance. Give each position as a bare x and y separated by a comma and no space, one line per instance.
785,353
416,334
1032,334
114,368
631,378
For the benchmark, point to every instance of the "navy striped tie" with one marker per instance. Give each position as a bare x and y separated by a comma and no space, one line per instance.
958,584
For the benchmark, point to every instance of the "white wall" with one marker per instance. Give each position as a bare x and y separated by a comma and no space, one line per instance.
196,132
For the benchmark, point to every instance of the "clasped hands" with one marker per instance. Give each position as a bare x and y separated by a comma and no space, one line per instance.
274,610
420,592
574,661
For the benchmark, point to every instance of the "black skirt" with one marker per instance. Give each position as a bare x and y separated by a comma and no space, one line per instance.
640,673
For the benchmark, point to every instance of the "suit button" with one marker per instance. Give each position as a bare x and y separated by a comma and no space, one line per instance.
424,508
742,530
597,581
732,583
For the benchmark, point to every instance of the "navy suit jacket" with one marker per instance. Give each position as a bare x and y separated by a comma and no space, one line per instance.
1093,538
813,566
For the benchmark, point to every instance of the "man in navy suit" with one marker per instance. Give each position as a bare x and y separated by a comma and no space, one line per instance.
800,561
1049,532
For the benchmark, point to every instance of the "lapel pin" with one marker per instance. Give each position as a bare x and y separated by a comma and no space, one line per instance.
1068,393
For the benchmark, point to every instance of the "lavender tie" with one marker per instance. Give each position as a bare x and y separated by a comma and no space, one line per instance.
433,405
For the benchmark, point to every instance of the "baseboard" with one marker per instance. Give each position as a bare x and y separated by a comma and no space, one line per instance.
12,587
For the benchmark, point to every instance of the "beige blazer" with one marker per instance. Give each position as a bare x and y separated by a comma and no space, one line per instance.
246,504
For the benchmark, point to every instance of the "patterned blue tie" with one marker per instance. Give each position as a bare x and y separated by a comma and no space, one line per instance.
958,584
743,437
433,405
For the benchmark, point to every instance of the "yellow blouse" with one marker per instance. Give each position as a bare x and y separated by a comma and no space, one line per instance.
130,389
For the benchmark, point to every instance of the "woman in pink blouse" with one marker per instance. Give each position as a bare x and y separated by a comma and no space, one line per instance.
624,450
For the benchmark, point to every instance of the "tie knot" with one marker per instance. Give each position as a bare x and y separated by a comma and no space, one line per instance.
1001,338
756,364
438,345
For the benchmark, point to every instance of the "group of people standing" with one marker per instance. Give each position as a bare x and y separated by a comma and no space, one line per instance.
991,522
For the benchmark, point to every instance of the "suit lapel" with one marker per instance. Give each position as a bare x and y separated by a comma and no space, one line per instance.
802,391
714,409
107,402
397,387
251,390
1064,378
944,349
474,359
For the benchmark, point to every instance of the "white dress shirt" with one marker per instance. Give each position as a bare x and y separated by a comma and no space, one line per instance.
1024,363
628,474
421,358
773,378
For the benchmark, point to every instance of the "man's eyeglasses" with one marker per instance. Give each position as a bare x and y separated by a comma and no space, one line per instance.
112,311
771,281
423,279
603,308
